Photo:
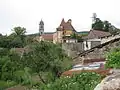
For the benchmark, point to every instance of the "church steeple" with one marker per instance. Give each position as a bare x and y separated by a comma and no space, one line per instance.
41,27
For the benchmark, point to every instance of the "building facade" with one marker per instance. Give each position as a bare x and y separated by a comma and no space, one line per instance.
94,38
63,33
41,27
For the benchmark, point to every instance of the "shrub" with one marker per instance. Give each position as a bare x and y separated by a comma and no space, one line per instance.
113,58
6,84
83,81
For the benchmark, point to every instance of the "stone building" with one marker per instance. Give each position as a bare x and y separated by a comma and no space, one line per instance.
41,27
47,36
94,38
64,31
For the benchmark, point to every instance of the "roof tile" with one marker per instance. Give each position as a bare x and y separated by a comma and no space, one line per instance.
48,36
97,34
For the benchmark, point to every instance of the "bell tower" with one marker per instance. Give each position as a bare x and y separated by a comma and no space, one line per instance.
41,27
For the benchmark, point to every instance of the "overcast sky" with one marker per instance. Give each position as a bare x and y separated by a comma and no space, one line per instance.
28,13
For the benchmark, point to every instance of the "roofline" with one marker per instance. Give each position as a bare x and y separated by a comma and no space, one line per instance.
98,46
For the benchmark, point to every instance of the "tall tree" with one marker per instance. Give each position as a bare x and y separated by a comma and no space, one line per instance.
19,31
107,26
104,26
18,37
46,57
98,25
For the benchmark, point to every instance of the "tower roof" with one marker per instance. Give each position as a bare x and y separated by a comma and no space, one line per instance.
62,22
41,22
66,25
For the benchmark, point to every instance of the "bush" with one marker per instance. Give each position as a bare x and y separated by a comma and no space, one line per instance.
6,84
83,81
113,58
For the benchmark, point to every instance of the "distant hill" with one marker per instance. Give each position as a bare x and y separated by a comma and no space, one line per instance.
37,34
83,33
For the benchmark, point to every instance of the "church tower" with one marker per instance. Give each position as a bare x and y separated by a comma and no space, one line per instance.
41,27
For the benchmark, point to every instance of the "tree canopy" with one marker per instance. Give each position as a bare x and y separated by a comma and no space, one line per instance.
17,39
104,26
47,57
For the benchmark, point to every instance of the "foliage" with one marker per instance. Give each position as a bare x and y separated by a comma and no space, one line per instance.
18,36
113,58
23,76
19,31
16,39
104,26
16,42
98,25
4,52
107,26
76,36
29,40
83,81
4,42
6,84
11,70
46,57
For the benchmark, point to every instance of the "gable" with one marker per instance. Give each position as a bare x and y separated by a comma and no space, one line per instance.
97,34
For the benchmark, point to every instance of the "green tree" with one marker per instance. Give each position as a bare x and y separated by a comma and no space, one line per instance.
4,42
107,26
18,37
19,31
11,69
29,40
104,26
46,57
98,25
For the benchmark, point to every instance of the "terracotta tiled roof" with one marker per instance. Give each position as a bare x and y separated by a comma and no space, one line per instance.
66,25
99,71
96,34
62,22
48,36
86,61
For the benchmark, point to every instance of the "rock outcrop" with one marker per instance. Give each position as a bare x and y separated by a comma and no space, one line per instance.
111,82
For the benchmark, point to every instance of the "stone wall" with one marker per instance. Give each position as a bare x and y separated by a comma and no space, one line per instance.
73,48
95,43
99,51
76,50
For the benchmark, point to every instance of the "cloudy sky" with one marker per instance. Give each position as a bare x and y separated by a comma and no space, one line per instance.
28,13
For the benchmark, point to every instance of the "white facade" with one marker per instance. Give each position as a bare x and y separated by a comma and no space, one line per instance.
71,41
87,45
